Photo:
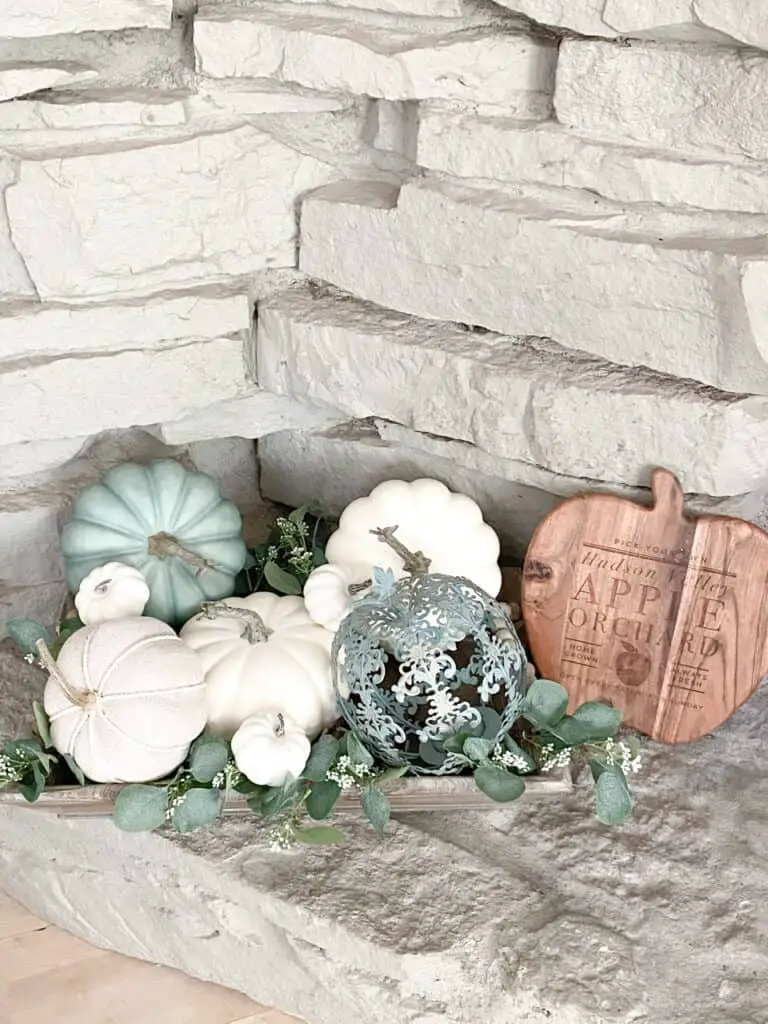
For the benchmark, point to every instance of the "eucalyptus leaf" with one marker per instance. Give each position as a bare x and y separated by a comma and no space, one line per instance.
322,799
498,784
431,753
198,809
357,752
390,774
42,723
491,723
281,580
545,703
323,835
592,722
454,744
32,785
376,806
477,749
140,808
25,633
74,767
324,752
318,556
279,798
514,748
207,758
31,751
613,800
299,515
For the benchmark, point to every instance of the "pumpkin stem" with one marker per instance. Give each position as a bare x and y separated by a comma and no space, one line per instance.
164,545
280,730
80,698
415,563
255,631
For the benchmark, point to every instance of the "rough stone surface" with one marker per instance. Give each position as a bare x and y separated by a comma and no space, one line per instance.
340,465
29,18
678,98
684,20
285,928
193,213
520,398
514,264
505,150
30,551
71,396
20,81
492,68
31,457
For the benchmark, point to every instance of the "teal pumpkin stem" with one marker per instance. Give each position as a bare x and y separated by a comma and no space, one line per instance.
164,545
80,698
255,631
415,563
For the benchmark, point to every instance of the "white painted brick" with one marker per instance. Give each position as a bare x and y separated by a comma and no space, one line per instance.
28,458
127,223
683,20
73,396
503,150
519,398
15,282
485,67
410,8
336,468
676,97
24,18
30,551
56,331
259,413
518,267
20,81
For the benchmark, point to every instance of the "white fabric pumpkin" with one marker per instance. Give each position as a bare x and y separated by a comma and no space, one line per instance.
113,591
125,700
270,749
263,654
328,596
448,528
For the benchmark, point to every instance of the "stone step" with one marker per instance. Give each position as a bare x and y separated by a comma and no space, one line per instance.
461,60
680,98
681,294
517,398
337,466
505,150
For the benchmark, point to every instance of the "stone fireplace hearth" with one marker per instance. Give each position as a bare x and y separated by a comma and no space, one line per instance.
307,246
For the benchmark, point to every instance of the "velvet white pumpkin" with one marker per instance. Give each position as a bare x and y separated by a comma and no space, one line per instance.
330,592
125,700
447,528
262,654
270,749
112,591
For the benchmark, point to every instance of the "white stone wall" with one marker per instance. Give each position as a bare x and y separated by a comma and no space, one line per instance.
518,245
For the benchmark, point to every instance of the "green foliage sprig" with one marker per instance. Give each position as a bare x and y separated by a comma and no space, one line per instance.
283,563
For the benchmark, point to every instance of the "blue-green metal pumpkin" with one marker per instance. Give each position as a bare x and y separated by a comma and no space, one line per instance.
425,658
167,521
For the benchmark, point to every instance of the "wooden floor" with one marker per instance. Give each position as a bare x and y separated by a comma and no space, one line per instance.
47,975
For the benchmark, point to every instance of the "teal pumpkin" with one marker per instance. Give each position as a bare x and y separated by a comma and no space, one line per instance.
170,523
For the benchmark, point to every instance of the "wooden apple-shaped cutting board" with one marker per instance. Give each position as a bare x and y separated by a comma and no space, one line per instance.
661,613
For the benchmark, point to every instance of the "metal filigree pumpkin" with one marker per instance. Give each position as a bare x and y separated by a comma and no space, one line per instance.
425,657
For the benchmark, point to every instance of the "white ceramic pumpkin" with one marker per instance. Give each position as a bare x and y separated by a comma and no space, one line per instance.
448,528
125,700
330,592
270,749
263,654
112,591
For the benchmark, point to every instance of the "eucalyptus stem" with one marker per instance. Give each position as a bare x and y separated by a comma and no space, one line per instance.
255,631
80,698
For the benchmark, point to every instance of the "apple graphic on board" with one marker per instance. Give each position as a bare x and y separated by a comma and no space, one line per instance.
631,666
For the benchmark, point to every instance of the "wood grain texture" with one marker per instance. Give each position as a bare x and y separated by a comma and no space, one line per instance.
661,613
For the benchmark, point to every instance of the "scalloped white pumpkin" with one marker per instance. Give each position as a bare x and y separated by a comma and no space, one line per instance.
125,699
111,591
263,654
448,528
270,749
330,591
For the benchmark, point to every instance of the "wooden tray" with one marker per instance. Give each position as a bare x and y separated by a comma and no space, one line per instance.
407,796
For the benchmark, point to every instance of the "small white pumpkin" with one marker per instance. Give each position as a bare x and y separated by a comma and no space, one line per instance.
270,749
125,699
263,654
331,590
112,591
447,528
